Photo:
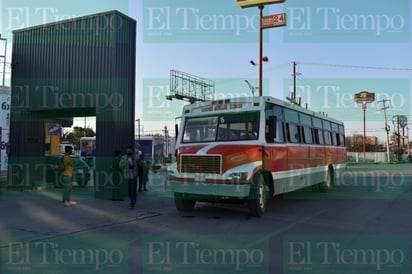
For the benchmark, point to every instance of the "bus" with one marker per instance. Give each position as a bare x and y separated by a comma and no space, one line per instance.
153,149
88,146
151,146
250,149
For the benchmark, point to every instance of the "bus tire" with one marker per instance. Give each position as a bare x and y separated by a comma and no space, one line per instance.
183,204
258,196
316,187
329,181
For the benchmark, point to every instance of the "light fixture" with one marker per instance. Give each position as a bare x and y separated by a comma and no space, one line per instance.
264,59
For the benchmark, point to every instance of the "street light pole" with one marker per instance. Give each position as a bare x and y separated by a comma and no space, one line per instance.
276,20
166,141
260,48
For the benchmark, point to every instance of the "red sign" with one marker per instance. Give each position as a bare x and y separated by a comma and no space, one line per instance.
275,20
251,3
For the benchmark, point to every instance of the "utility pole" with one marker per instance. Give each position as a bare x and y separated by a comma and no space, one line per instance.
395,121
387,128
294,83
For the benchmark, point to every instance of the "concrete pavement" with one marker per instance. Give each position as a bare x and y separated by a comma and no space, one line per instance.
38,234
42,212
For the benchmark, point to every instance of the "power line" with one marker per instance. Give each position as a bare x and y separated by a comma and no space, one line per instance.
356,66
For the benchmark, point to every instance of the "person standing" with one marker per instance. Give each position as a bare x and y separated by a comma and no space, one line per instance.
140,166
67,176
129,166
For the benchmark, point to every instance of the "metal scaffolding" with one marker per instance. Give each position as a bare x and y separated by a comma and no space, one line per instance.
187,87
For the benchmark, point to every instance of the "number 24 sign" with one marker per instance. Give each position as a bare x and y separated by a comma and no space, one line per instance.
275,20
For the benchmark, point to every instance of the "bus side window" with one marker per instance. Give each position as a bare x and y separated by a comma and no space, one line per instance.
287,133
280,137
301,134
342,140
328,140
274,130
270,129
315,136
337,139
307,135
292,133
320,136
332,138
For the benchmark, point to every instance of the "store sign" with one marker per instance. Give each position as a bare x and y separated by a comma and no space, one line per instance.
251,3
364,97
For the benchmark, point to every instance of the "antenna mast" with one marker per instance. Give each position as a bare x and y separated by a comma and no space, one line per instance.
292,98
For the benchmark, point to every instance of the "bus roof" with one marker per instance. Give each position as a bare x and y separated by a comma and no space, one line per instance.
246,104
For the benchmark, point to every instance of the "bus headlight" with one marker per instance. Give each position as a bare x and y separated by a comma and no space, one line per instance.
238,176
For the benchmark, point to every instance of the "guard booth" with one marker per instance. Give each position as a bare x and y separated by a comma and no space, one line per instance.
78,67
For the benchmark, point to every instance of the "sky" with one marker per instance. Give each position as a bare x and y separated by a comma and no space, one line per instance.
340,48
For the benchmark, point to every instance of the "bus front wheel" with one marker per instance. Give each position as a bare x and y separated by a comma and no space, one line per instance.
182,203
258,196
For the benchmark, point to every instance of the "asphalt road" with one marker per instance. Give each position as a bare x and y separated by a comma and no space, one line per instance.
363,225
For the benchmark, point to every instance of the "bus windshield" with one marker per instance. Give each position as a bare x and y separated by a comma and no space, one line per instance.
224,127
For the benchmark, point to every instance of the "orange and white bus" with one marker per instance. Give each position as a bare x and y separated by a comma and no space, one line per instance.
252,148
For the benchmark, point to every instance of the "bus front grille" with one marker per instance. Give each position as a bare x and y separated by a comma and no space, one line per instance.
200,164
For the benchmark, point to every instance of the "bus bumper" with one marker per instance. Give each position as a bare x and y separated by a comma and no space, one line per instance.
211,189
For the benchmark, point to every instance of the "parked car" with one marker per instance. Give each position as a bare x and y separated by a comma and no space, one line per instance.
81,171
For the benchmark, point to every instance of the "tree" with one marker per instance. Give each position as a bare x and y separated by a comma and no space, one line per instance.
398,153
354,143
75,135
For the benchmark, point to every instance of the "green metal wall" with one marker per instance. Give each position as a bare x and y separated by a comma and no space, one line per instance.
72,68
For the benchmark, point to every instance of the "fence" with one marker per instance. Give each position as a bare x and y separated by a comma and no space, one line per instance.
372,157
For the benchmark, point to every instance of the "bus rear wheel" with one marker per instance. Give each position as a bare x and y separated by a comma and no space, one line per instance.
182,203
329,181
258,196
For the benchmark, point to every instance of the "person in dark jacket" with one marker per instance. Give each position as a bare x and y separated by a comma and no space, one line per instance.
129,166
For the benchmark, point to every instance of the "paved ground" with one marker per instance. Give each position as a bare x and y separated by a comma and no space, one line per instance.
30,210
368,209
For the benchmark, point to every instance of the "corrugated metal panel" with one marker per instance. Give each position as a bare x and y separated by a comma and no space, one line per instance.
69,53
77,67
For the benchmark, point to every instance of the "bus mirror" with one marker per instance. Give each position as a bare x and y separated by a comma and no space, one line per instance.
176,131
